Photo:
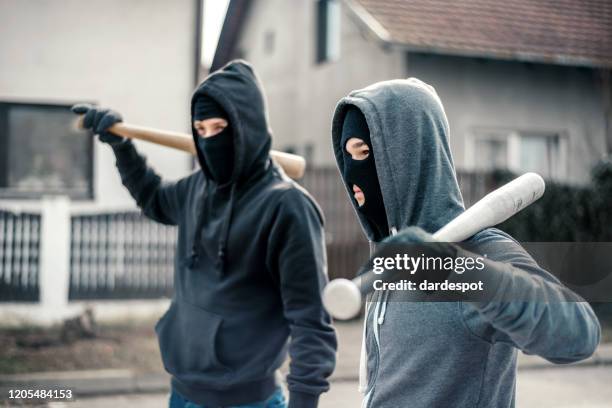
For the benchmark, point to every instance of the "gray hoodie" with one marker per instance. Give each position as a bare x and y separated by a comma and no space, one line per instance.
450,354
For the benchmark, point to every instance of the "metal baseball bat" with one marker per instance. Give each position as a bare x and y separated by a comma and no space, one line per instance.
292,164
343,297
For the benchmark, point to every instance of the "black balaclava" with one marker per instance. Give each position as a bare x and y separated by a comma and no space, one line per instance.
363,173
218,150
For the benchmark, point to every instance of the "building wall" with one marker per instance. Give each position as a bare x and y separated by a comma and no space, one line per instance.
477,93
136,56
500,94
302,94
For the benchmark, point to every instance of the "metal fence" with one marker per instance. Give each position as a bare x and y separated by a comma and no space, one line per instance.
120,256
19,256
474,186
123,255
347,248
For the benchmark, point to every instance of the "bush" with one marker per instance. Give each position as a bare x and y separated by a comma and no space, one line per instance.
569,214
566,213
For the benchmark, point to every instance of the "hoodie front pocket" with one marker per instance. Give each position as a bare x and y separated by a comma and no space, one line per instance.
187,340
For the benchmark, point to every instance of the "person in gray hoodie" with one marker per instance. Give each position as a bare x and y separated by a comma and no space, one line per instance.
442,354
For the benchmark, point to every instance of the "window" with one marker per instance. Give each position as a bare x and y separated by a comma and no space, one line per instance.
42,152
328,30
542,152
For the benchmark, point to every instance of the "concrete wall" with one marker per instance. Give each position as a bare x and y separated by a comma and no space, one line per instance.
135,56
302,94
524,97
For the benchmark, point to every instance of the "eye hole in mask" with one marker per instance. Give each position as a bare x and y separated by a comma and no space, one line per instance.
357,149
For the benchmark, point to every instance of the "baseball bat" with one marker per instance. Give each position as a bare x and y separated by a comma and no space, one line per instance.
292,164
343,297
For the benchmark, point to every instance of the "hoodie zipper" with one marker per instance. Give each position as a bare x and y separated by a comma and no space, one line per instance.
381,317
378,318
385,297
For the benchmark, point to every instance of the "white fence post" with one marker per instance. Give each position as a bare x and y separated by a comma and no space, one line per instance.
54,278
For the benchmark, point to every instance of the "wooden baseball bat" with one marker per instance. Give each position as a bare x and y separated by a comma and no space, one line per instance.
342,297
292,164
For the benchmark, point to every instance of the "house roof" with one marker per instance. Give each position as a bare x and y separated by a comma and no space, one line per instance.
568,32
572,32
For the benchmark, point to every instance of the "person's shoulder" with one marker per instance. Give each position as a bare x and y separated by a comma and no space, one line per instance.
286,190
501,246
291,196
192,179
491,235
194,175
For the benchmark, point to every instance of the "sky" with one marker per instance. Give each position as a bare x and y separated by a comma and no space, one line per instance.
214,14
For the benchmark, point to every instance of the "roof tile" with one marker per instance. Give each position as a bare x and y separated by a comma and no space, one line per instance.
577,32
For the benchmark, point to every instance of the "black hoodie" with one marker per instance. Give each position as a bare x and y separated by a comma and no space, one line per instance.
250,264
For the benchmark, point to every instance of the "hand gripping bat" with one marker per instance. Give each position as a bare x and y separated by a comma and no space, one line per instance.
342,297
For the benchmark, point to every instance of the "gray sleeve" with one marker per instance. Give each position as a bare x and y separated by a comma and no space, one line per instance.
554,323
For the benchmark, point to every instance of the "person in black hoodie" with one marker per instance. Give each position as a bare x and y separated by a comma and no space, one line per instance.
250,259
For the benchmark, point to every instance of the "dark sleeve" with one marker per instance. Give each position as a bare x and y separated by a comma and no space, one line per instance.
159,200
296,252
555,323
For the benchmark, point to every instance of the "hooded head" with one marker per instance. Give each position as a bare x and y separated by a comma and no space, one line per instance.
233,155
241,149
409,144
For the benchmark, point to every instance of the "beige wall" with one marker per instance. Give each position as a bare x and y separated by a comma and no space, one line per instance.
136,56
301,94
486,94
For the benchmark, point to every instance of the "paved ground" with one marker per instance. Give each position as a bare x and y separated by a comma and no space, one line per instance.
540,384
566,387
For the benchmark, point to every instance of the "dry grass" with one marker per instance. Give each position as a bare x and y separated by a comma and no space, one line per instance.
131,346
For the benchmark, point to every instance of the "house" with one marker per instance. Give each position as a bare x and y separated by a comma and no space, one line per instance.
525,83
70,233
109,52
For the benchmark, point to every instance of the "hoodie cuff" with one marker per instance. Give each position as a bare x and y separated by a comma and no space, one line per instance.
302,400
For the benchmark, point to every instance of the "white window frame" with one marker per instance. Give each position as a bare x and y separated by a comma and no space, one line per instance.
513,139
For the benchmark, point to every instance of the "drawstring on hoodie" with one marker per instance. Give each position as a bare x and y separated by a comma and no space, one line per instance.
222,250
385,298
383,309
225,232
192,261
